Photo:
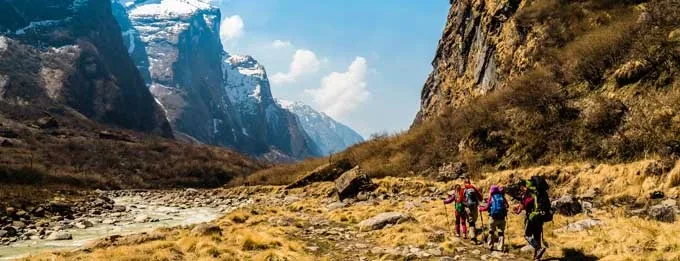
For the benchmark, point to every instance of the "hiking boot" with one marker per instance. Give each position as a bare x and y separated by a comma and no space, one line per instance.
458,235
540,253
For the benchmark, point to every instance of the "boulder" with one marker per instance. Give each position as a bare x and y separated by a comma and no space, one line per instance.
567,205
384,219
326,172
19,224
590,194
451,171
581,225
83,224
350,183
335,205
60,235
206,229
142,219
662,212
47,123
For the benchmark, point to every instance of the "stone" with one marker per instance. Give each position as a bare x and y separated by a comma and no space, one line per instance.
83,224
206,229
670,202
335,205
109,221
47,123
383,219
581,225
663,213
3,233
39,212
350,183
567,205
674,36
118,208
142,219
18,224
526,249
590,194
451,171
60,235
10,231
326,172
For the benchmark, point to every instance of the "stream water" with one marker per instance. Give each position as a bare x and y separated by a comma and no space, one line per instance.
167,216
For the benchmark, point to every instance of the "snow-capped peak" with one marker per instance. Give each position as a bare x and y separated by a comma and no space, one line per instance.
330,135
166,8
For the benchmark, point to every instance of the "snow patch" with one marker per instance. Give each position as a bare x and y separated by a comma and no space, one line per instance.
3,44
216,124
4,80
32,25
130,34
170,8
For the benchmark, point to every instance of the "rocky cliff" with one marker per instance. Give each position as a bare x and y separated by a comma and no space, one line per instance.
480,48
330,135
71,52
208,94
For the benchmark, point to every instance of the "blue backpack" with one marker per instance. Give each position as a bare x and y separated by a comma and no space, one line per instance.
498,209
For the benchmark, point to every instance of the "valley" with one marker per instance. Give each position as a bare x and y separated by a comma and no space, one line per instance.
130,131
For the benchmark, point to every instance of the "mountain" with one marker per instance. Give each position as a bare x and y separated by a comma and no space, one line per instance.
330,135
212,96
71,53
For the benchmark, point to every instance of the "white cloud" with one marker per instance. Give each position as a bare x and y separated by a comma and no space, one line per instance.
342,92
231,28
304,62
281,44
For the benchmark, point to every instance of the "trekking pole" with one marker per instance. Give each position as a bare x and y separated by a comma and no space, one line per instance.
481,218
448,224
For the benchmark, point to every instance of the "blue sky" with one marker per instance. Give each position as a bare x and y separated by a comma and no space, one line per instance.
361,61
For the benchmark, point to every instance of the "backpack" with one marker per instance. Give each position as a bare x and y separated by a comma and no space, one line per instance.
497,209
470,197
543,207
460,208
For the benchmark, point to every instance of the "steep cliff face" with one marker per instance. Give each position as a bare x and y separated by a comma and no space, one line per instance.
71,52
330,135
480,48
208,94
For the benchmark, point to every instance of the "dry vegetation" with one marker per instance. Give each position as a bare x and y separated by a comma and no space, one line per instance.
76,155
248,233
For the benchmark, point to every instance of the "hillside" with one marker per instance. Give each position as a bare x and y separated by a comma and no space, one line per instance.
571,81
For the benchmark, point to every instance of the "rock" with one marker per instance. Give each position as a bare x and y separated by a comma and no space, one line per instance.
47,123
60,235
335,205
109,221
118,208
674,36
663,213
590,194
142,219
206,229
327,172
10,211
383,219
19,224
8,133
567,205
6,143
350,183
631,71
581,225
526,249
451,171
10,231
83,224
39,212
670,202
3,233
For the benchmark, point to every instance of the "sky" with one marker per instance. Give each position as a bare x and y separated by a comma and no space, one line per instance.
363,62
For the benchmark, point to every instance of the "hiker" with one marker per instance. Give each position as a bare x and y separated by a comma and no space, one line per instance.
472,199
497,206
459,209
534,201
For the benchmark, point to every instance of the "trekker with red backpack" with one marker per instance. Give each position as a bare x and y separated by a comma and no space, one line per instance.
472,199
459,207
497,206
536,203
